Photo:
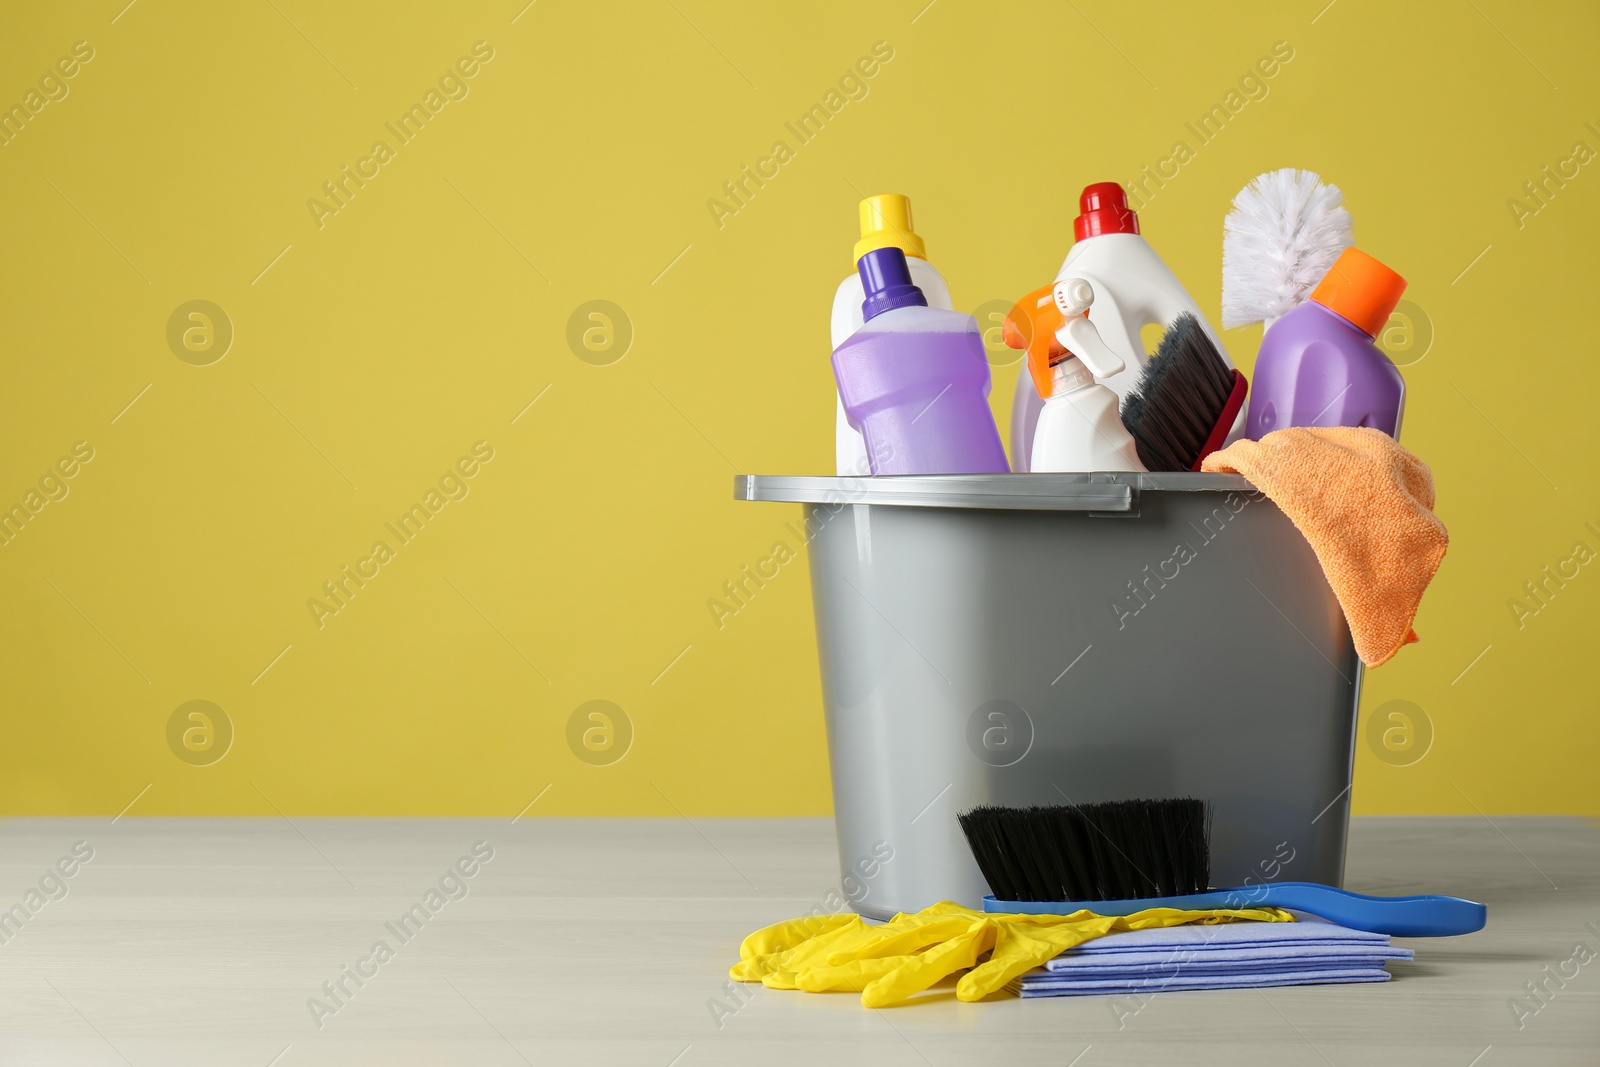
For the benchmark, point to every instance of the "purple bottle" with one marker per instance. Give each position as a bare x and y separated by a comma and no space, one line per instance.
1318,365
915,380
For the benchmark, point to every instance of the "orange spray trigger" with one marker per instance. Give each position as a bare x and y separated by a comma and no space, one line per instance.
1032,324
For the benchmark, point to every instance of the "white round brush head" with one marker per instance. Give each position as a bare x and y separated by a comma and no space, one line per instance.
1284,232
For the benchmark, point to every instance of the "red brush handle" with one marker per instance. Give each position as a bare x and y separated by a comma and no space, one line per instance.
1230,411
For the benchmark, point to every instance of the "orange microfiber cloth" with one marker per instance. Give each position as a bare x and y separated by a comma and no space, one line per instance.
1366,506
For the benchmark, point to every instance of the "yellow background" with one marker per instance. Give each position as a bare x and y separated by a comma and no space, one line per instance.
427,314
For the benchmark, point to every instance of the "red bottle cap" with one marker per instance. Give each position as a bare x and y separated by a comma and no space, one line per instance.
1104,208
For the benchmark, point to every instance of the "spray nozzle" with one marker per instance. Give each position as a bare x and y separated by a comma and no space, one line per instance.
1031,325
1073,298
1052,324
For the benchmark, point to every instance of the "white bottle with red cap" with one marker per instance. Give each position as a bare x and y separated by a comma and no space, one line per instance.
1133,289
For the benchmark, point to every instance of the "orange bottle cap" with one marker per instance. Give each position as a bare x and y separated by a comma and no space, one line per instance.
1360,289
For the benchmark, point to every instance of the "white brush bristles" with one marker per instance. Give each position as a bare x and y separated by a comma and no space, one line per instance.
1284,232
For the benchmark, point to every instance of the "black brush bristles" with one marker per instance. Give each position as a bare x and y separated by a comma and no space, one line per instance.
1179,398
1113,850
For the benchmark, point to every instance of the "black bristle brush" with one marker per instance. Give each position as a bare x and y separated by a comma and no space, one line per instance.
1185,402
1126,856
1115,850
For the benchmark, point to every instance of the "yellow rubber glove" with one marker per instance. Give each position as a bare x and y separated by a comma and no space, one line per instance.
767,953
892,961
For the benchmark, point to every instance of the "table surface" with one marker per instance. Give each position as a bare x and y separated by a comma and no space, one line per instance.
203,941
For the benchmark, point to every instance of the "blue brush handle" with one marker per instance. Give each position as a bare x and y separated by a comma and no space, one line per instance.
1419,916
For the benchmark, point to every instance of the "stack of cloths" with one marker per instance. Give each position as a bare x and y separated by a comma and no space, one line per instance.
1229,956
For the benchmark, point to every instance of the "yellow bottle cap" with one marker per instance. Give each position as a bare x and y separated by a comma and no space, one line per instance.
886,223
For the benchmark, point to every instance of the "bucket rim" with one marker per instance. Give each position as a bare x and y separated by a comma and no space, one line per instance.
1100,491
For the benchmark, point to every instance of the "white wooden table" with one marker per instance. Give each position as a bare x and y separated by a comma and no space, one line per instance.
201,941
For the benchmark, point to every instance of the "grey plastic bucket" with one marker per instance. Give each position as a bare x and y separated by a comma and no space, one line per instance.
1066,638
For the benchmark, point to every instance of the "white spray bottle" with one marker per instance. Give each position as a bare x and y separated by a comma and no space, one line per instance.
885,221
1133,289
1079,428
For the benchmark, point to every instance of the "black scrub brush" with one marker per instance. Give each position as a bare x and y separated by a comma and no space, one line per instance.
1185,402
1127,856
1114,850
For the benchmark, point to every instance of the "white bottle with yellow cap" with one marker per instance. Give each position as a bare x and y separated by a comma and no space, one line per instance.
885,222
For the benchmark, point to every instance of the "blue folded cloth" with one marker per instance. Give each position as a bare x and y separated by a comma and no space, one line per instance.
1307,930
1055,986
1224,956
1204,964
